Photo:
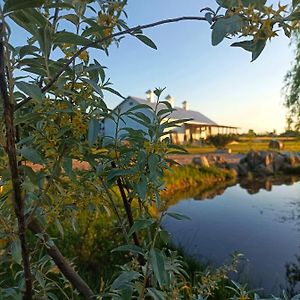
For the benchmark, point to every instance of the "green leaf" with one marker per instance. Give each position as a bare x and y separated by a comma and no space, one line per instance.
246,3
94,85
52,296
28,50
294,16
256,47
30,89
13,5
139,225
129,248
44,37
143,117
152,163
72,18
94,28
209,17
158,266
64,37
123,281
225,26
156,294
165,112
59,227
31,155
141,187
120,172
126,294
93,131
16,251
165,236
178,216
246,45
22,19
113,91
58,4
228,3
296,3
146,41
40,278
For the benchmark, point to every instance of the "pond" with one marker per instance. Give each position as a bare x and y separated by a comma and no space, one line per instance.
260,219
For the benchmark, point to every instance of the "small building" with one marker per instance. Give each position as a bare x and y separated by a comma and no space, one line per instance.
197,128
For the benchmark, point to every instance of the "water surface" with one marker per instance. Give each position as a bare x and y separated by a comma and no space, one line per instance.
263,224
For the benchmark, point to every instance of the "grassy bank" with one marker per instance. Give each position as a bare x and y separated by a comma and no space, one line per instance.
185,181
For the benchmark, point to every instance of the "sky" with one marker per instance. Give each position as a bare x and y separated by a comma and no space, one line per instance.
219,81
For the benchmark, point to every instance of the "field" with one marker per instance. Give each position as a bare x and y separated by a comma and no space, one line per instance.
244,145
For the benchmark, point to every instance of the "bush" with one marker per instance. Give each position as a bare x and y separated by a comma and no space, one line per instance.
220,141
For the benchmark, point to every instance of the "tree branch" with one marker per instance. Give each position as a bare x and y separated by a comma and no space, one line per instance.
63,265
99,41
18,200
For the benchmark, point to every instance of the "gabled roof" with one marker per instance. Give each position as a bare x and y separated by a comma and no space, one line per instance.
179,113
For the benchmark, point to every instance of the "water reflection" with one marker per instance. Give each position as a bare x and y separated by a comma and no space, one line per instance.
256,184
293,276
259,218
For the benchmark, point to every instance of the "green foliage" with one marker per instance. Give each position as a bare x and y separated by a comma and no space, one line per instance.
292,88
87,185
253,19
225,26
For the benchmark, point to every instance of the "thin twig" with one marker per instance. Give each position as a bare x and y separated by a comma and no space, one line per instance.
115,209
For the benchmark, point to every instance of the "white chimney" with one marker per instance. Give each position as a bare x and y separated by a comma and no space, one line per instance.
170,99
185,105
150,96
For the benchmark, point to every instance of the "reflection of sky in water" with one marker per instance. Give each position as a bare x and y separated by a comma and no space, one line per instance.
263,226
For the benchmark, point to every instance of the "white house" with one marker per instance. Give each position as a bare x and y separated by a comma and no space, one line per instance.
198,127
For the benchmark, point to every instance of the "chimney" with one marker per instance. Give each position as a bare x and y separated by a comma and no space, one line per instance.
150,96
185,105
170,99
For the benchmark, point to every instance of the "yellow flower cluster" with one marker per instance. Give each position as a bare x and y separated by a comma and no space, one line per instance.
69,50
84,56
79,125
59,124
108,18
260,22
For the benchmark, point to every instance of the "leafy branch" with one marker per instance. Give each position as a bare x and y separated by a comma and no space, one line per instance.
130,31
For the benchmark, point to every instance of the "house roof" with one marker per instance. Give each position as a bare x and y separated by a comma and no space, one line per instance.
179,113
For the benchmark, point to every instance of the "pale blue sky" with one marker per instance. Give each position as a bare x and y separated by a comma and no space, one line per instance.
218,81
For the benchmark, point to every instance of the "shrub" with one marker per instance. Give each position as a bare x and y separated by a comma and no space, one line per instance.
220,141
